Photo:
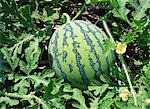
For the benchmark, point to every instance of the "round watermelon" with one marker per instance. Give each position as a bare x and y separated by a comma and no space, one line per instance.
77,52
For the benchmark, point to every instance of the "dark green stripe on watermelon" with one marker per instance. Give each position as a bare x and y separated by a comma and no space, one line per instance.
98,41
89,42
100,44
104,37
78,58
55,51
109,61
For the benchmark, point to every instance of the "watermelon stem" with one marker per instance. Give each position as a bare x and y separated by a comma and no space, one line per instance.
79,12
128,78
67,17
108,31
123,64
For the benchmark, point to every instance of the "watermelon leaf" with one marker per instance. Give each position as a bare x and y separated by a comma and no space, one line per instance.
98,90
139,13
77,95
32,54
121,11
9,101
94,104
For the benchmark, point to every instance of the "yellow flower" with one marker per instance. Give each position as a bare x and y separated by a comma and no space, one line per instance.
124,94
121,48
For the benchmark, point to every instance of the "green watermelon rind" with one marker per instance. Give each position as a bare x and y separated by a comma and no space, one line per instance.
78,53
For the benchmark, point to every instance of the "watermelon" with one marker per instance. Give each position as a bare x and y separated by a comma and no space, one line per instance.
77,52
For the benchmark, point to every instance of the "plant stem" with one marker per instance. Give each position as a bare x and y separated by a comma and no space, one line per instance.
76,16
79,12
123,64
128,78
108,31
40,101
67,16
28,97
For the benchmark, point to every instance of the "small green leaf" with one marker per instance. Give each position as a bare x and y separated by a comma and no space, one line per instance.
109,94
9,101
114,3
12,60
13,102
48,0
106,104
98,89
10,76
121,11
137,62
106,79
22,85
94,1
120,105
49,19
139,13
58,103
94,104
37,80
77,95
32,54
56,86
25,11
